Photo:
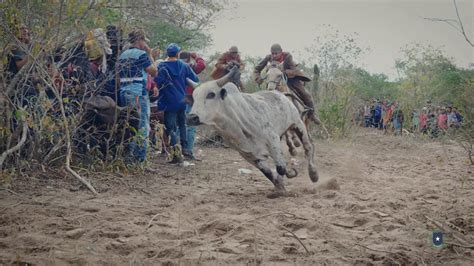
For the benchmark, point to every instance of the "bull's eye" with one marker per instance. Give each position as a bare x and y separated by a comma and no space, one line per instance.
210,95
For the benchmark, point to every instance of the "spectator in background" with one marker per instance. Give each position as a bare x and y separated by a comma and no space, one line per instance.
443,120
225,62
112,84
432,125
377,114
197,64
398,119
459,117
134,64
424,120
17,58
372,114
171,81
451,117
429,107
366,115
415,119
387,118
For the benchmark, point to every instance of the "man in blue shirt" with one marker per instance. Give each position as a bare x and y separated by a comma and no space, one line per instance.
171,81
134,64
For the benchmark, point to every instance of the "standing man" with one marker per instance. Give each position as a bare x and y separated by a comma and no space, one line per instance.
295,77
225,62
17,59
171,81
134,64
197,64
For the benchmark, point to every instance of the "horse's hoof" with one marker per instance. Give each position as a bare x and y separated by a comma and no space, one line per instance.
296,142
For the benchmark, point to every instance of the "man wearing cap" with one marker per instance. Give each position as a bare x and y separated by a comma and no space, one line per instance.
225,62
294,76
134,64
171,81
197,64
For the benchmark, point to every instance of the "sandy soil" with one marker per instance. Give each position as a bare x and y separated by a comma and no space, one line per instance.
378,201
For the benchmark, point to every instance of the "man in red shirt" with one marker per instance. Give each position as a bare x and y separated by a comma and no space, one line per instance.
295,77
225,62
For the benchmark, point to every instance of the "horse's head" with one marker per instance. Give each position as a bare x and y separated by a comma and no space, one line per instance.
274,77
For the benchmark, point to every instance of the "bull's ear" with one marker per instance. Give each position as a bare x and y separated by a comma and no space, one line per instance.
189,99
223,93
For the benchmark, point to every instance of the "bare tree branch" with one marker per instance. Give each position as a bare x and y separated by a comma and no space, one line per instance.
17,146
460,23
456,24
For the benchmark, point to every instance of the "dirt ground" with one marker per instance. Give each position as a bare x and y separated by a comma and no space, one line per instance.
378,201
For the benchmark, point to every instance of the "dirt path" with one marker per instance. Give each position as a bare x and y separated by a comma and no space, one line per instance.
372,205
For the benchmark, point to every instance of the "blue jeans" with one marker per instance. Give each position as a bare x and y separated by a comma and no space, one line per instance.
171,119
190,134
138,146
397,126
366,121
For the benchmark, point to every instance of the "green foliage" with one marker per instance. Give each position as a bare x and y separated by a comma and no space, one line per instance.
164,33
338,85
333,51
426,73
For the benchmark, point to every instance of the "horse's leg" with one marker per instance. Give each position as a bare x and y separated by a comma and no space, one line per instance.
302,133
289,143
306,123
295,140
300,108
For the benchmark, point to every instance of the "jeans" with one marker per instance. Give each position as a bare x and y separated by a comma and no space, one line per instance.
171,119
138,146
397,125
366,121
190,135
377,121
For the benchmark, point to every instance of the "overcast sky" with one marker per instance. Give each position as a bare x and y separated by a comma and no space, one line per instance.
385,26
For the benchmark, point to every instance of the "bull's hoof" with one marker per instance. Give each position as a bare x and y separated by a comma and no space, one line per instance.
313,175
281,170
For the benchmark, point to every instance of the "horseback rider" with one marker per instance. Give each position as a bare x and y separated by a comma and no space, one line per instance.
295,76
225,62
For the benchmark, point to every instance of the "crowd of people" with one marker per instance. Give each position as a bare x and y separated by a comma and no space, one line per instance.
131,74
430,120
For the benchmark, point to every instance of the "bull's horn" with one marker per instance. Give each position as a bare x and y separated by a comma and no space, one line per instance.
222,81
192,83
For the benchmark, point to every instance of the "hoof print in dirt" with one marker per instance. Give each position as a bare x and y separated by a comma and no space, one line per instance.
277,194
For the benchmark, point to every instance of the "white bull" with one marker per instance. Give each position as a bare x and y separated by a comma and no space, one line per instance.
253,124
